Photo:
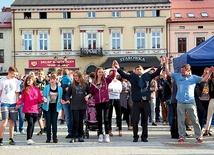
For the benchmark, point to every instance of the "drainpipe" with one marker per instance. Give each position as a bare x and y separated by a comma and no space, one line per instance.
14,45
167,38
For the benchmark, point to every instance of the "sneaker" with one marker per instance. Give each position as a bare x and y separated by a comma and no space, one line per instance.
110,133
81,139
120,134
55,141
100,140
144,140
188,129
23,133
68,136
130,128
181,140
41,132
1,142
62,122
72,140
154,124
11,141
14,133
164,123
107,139
30,142
200,140
48,141
135,140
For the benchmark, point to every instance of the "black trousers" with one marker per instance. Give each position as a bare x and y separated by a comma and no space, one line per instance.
31,120
78,116
142,108
116,104
202,112
102,110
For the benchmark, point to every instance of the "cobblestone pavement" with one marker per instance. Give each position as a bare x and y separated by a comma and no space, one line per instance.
159,143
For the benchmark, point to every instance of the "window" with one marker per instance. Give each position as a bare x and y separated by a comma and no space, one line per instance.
92,40
67,40
1,56
199,40
178,15
27,42
156,44
43,15
91,14
1,35
204,14
140,37
115,14
182,45
43,41
140,13
27,15
66,15
155,13
191,15
116,38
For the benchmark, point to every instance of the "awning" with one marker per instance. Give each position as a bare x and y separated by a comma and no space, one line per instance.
133,61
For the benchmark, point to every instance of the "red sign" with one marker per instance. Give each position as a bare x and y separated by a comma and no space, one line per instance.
51,63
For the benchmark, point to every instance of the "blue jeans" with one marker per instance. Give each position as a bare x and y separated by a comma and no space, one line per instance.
170,111
21,120
68,117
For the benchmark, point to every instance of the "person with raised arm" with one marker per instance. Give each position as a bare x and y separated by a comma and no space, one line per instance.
185,95
141,95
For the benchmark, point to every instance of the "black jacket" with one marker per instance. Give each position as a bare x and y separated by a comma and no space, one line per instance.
137,93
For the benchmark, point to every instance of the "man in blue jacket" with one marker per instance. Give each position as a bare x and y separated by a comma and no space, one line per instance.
140,90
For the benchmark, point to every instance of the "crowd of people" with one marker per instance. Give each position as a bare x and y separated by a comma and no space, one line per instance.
137,96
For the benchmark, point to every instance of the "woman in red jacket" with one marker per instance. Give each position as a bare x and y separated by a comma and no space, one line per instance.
99,91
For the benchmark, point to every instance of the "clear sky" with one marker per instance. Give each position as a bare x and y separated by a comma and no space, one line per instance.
5,3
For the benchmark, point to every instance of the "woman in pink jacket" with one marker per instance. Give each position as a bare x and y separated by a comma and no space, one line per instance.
99,91
31,97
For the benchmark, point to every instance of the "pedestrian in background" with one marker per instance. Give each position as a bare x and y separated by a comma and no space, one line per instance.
115,88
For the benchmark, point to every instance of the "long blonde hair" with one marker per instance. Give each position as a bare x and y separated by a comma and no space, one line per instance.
81,79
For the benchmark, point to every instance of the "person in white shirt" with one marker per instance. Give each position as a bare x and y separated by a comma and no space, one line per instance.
9,91
115,88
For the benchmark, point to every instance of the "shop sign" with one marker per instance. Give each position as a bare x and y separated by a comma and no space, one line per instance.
51,63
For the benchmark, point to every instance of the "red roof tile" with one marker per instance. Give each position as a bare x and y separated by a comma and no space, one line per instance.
197,7
5,19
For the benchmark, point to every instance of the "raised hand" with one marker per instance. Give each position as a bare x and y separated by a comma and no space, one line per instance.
116,64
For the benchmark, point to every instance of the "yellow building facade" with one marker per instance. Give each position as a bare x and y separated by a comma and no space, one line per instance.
85,36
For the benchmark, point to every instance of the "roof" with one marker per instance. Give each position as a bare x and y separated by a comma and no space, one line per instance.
5,19
83,2
196,7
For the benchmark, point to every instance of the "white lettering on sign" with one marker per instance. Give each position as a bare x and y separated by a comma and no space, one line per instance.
132,58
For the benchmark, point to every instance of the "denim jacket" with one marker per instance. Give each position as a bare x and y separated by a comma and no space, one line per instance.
46,93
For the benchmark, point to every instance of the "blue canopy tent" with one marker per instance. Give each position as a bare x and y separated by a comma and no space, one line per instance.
201,55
